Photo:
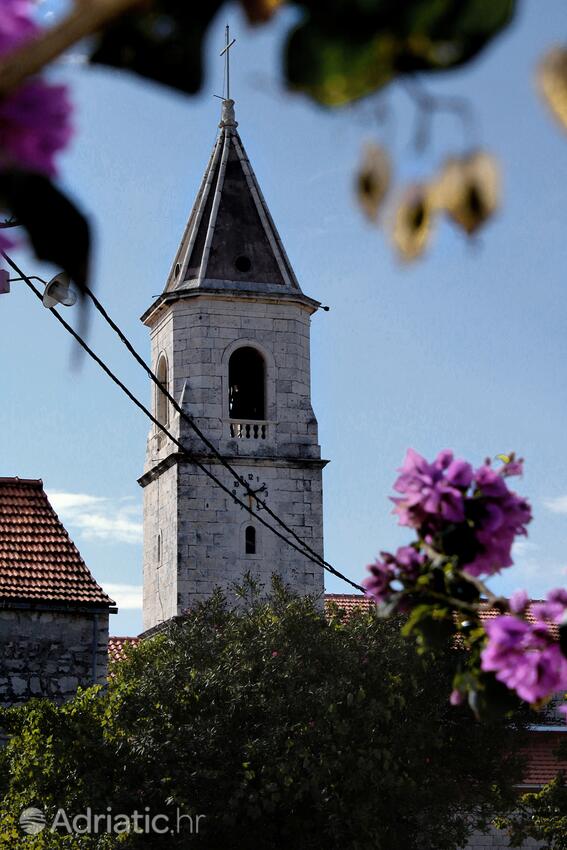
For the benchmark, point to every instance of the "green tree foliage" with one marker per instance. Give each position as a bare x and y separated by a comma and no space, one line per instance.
342,51
541,815
285,727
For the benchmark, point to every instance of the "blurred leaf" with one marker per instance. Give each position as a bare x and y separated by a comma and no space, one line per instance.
58,232
552,81
373,180
345,50
164,43
260,11
495,699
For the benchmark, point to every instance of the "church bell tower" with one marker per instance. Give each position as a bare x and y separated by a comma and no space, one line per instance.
230,339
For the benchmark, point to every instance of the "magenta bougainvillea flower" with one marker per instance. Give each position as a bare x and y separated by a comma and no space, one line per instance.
35,126
501,516
405,565
432,492
481,514
35,119
16,23
466,522
379,583
525,657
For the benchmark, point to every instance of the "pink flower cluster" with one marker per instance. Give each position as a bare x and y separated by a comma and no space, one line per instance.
449,493
524,655
35,119
405,565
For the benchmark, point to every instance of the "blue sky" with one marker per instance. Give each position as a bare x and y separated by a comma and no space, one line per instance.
466,349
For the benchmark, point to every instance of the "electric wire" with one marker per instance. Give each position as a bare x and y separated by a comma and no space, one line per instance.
189,419
317,560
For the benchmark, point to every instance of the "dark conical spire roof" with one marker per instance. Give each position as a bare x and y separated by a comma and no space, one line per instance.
230,241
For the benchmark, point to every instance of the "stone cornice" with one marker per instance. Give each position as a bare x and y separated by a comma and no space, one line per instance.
238,460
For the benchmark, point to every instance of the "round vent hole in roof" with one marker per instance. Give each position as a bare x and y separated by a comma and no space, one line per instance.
243,263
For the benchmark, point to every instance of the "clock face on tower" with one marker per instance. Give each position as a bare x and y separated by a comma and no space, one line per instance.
256,488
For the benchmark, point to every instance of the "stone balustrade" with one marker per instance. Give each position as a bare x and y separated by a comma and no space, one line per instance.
244,429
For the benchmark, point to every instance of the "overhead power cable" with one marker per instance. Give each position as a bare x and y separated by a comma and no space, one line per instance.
190,455
212,448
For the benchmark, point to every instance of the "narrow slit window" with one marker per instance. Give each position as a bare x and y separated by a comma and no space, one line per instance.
250,540
159,546
247,384
162,404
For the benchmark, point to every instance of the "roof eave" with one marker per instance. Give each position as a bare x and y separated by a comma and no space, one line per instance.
167,298
19,603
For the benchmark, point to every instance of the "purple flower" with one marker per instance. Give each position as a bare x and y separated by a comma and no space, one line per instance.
500,516
16,24
378,585
431,492
456,697
525,657
404,566
408,562
514,467
35,126
553,609
519,602
34,119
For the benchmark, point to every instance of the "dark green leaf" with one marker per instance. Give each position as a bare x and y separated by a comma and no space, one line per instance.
58,232
164,44
345,50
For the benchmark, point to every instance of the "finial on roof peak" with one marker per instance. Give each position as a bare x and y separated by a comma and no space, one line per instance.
227,116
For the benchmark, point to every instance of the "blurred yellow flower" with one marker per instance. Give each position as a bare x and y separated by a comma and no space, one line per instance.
373,180
552,82
413,222
468,189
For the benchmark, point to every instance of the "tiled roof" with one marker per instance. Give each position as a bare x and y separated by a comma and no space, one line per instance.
38,560
543,764
116,646
350,602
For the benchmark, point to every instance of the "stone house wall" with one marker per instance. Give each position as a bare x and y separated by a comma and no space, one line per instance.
50,653
495,838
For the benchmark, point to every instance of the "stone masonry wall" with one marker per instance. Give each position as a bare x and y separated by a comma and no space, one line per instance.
198,335
160,548
212,529
200,528
49,653
494,838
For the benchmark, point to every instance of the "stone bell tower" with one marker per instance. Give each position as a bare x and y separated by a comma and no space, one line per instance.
230,339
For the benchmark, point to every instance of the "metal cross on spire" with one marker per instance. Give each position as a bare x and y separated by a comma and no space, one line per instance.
226,53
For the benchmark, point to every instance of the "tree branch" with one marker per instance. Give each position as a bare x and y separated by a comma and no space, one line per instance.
85,19
428,104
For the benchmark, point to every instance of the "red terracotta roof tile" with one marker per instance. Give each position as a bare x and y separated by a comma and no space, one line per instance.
38,560
117,645
543,764
350,602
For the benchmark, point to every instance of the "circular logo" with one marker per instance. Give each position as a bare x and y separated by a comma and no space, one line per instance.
32,821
